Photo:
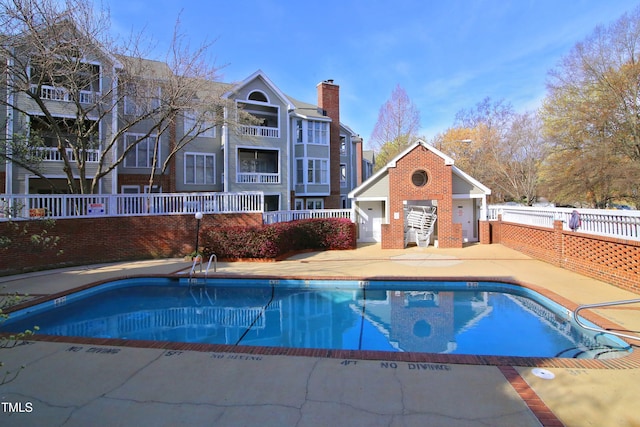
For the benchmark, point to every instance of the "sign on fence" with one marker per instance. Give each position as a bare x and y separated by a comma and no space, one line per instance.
95,209
37,213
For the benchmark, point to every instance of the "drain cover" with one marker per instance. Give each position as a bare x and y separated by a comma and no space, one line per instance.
543,373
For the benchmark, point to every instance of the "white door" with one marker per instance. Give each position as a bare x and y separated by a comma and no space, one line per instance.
463,214
370,216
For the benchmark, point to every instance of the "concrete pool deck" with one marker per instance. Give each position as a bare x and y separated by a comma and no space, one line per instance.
87,383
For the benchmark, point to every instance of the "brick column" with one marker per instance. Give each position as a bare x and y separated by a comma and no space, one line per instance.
329,101
558,250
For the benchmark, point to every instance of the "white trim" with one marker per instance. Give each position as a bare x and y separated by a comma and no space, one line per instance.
448,161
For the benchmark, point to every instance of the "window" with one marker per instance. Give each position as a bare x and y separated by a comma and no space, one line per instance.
343,175
130,189
317,132
299,204
199,168
257,95
198,126
317,171
315,204
141,154
343,145
139,100
299,171
299,132
419,178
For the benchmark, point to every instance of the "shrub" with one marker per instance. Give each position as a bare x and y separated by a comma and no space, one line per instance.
271,241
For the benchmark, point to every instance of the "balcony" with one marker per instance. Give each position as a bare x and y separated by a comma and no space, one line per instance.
257,178
54,93
262,131
51,154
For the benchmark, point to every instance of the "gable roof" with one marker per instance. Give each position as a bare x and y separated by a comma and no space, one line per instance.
448,161
260,74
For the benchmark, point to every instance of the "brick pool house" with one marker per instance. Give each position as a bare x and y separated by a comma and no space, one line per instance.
420,178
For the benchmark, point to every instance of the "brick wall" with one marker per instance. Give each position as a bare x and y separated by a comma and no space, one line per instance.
615,261
439,187
107,239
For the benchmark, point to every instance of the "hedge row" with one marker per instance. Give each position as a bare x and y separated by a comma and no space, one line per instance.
272,241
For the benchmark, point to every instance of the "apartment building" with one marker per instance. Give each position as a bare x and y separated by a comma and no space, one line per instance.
298,153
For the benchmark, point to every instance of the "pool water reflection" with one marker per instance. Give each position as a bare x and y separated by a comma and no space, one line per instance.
489,319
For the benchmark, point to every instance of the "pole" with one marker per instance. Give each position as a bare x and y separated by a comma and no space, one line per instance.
198,216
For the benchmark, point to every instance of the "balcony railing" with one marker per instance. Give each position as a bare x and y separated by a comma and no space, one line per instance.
262,131
257,178
55,93
60,206
52,154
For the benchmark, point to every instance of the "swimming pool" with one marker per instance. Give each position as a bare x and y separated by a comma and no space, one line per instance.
479,318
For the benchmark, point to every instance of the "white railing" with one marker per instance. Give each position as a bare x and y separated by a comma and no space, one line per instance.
257,178
52,154
285,216
55,93
622,224
260,131
60,206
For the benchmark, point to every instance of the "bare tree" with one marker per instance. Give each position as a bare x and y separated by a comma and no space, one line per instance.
519,158
502,149
398,124
490,122
90,102
592,115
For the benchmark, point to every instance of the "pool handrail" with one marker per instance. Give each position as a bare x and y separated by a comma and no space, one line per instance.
605,304
215,265
198,260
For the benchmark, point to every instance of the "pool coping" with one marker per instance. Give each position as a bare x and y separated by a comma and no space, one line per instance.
630,361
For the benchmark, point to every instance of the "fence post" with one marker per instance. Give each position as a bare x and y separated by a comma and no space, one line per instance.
113,202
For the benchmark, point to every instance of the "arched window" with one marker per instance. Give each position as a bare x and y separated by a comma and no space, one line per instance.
256,95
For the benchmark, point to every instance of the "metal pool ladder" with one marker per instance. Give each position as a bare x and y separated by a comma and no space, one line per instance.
197,261
193,281
605,304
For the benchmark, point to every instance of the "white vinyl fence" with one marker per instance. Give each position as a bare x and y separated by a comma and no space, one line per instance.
285,216
60,206
622,224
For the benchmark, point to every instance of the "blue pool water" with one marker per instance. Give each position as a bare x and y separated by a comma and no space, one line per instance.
484,318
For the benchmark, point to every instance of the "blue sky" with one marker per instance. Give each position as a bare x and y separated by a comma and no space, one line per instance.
447,55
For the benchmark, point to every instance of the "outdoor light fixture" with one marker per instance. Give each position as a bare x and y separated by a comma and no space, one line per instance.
198,216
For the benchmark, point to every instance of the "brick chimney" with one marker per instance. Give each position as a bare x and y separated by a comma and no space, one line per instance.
329,102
